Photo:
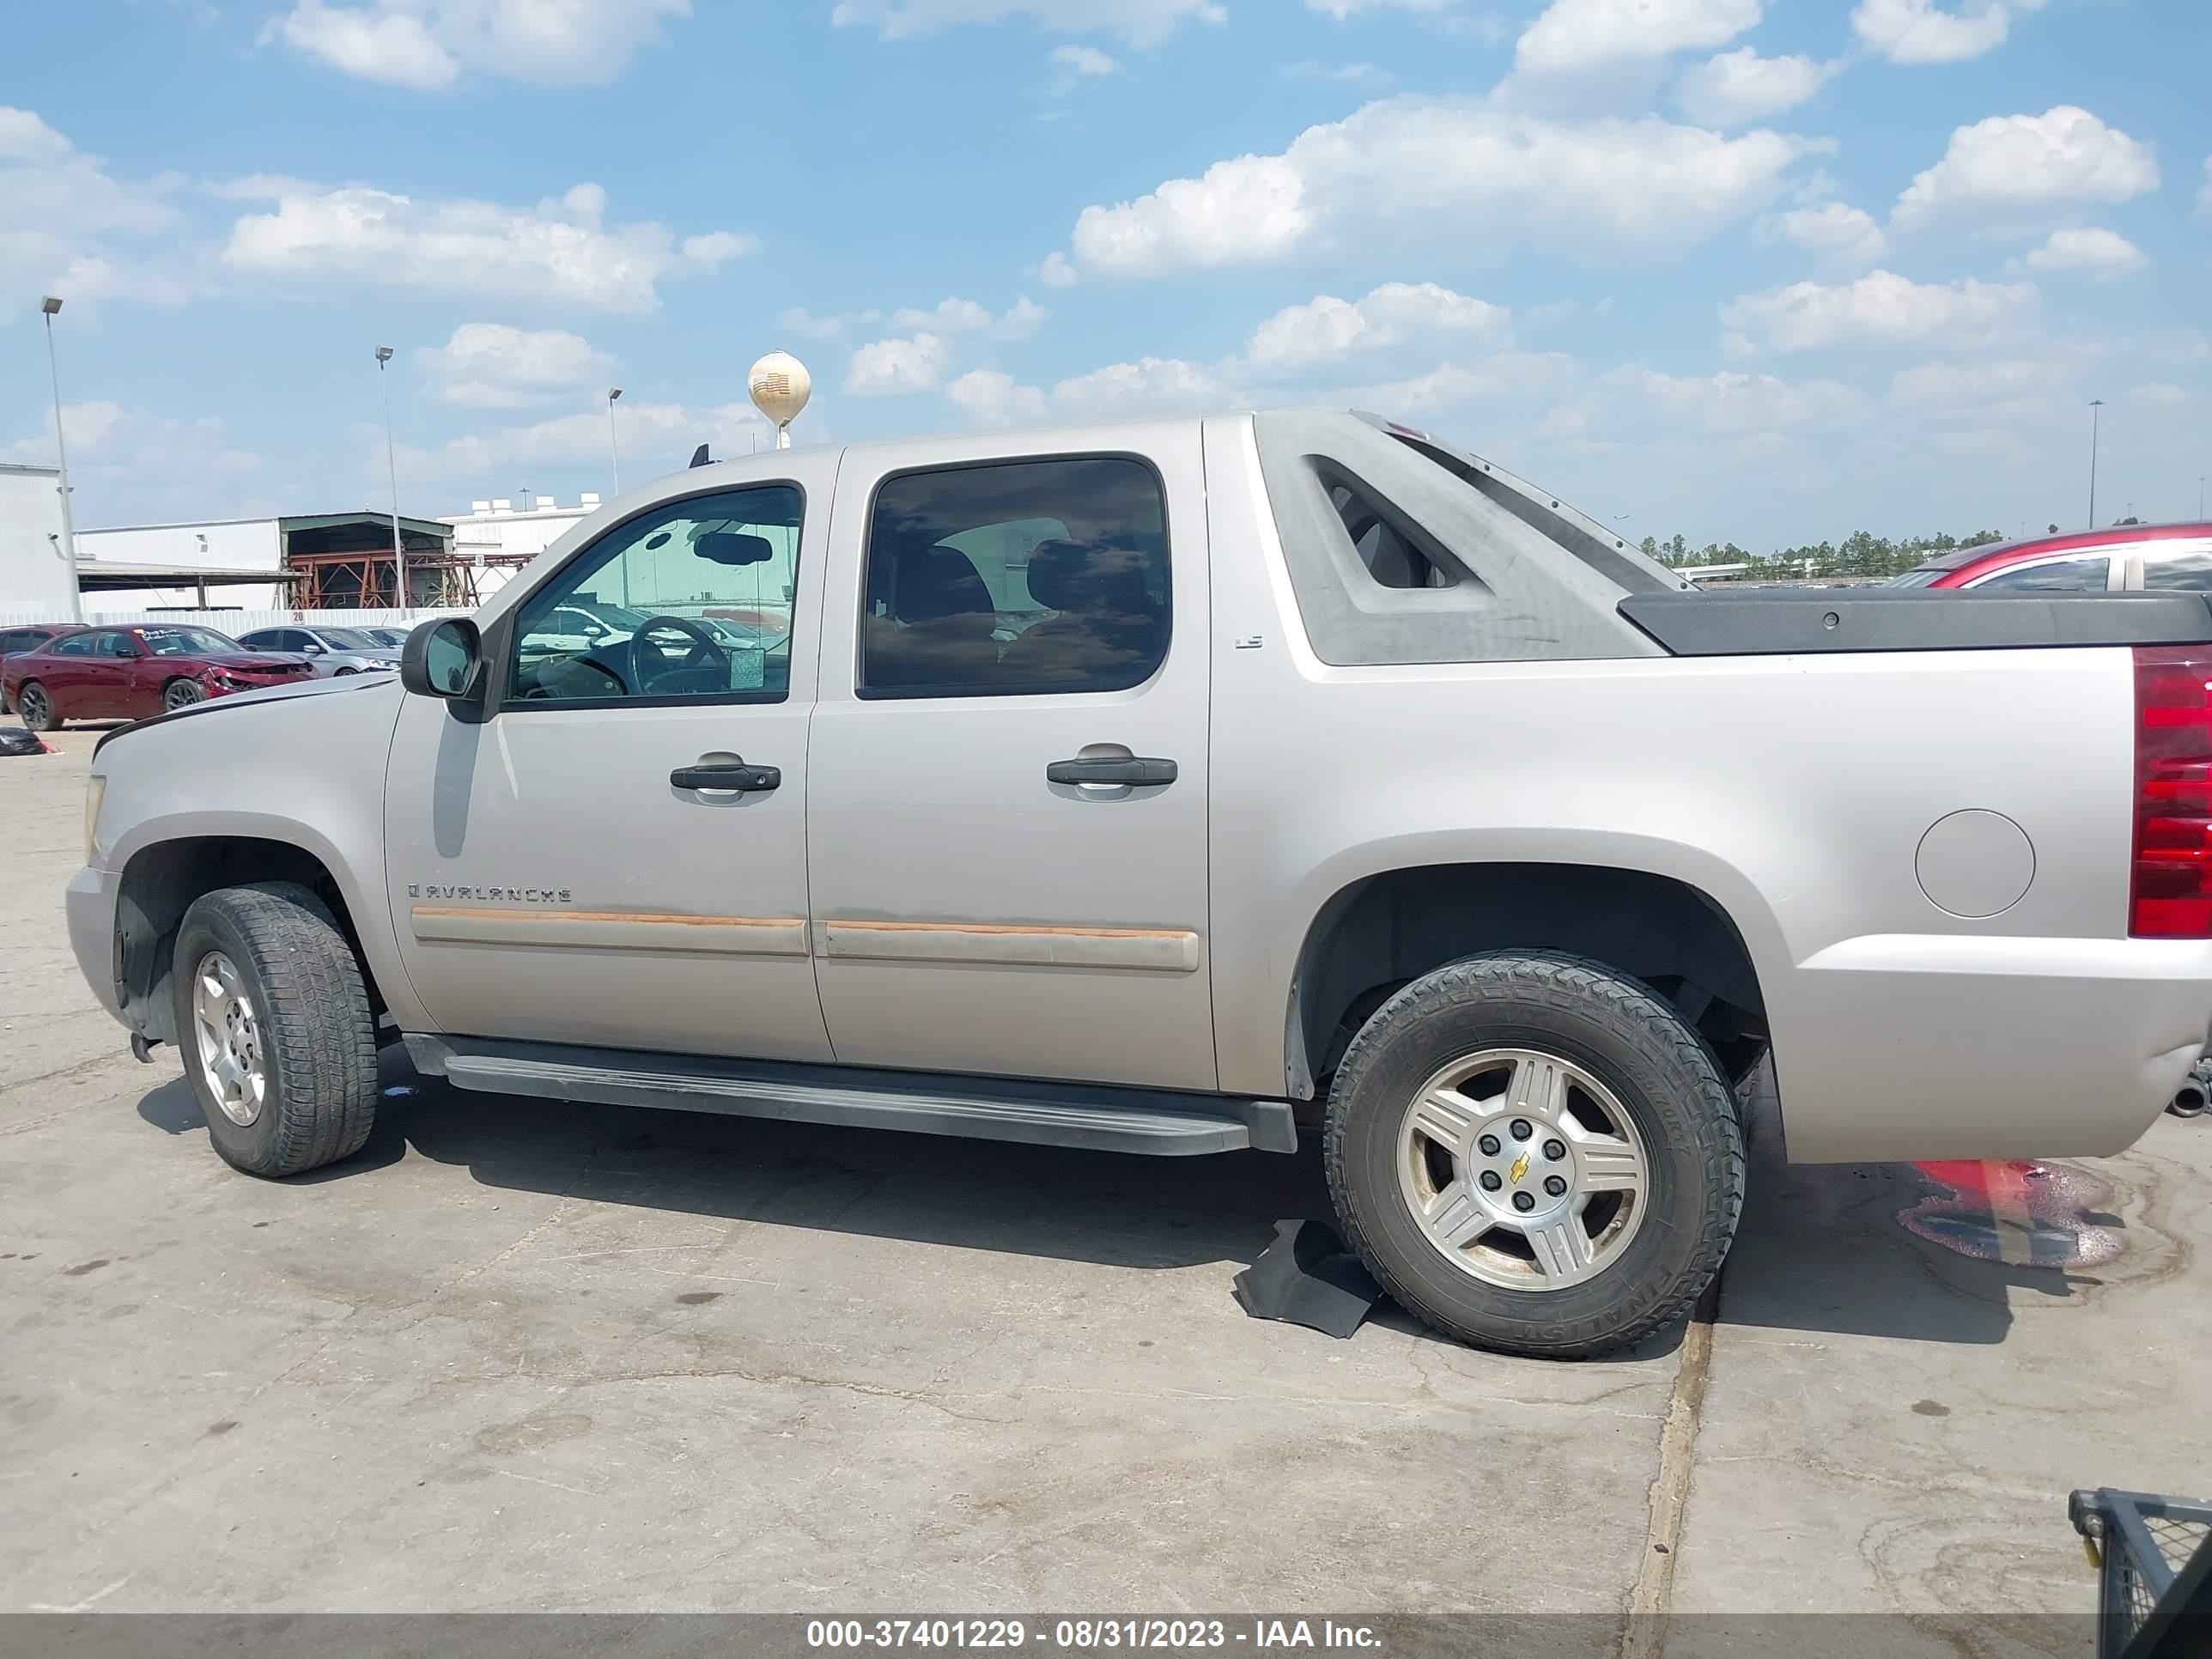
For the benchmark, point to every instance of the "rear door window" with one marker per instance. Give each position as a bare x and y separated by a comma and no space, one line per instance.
2179,572
1016,578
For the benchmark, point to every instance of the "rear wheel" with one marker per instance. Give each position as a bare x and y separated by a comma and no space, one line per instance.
181,694
36,708
1534,1153
274,1022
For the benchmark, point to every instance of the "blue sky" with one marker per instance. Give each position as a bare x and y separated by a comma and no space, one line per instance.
1766,270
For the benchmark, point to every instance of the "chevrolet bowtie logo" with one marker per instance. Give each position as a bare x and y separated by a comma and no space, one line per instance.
1520,1169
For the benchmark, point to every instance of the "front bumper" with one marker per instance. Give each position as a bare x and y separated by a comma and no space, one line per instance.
1941,1045
89,900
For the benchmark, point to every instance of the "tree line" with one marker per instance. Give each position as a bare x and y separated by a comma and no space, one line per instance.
1863,553
1860,554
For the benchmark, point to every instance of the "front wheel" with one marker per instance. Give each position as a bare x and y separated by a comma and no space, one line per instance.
1534,1153
274,1022
36,707
181,694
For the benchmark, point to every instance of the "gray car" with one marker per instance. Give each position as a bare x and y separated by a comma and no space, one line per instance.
333,651
1181,785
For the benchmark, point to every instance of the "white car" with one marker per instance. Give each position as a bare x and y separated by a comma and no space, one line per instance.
333,651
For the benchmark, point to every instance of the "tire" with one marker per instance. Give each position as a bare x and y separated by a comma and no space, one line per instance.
1640,1099
311,1028
340,673
36,707
181,694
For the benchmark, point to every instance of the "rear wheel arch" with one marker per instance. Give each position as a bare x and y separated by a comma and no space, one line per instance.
1380,931
160,883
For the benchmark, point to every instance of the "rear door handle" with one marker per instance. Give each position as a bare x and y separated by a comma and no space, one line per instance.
734,776
1134,770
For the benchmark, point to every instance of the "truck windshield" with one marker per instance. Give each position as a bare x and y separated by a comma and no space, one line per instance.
187,642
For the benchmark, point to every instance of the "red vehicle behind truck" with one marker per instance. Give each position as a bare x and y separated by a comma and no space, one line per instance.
133,671
2167,558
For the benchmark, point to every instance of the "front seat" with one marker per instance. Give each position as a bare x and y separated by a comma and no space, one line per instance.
938,631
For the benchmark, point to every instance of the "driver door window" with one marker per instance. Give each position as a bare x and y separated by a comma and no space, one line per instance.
687,602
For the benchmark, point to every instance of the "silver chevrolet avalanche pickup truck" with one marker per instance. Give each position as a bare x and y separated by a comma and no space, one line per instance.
1166,786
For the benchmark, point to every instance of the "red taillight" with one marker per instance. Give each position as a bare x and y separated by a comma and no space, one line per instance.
2170,895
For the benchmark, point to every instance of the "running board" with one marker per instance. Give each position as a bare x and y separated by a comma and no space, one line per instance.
1102,1118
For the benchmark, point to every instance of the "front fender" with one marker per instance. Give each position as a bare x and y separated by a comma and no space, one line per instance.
306,772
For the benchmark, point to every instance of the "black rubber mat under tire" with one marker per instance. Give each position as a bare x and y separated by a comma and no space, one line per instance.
318,1036
1623,1035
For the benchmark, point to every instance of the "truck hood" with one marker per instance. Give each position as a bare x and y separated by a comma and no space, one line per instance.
357,684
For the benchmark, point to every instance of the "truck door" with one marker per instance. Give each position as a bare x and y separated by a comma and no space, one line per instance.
615,853
1008,809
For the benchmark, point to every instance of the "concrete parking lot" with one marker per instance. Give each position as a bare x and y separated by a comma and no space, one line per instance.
522,1356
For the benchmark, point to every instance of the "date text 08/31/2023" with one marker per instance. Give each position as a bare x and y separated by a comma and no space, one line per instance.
1094,1634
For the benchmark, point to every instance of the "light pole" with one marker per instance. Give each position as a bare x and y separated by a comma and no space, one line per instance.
391,466
2096,414
614,448
49,306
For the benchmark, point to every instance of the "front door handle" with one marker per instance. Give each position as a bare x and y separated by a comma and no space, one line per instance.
734,776
1133,770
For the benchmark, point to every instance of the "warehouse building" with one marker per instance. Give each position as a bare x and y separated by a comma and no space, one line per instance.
34,579
498,539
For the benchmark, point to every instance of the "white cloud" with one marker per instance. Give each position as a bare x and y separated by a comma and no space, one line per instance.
884,367
957,316
1575,36
1448,386
651,432
1341,9
1083,60
1140,22
1950,385
2098,251
1411,172
1326,329
429,44
1143,387
1730,402
1149,385
1742,86
128,463
717,248
1879,308
559,250
989,398
1364,74
62,214
1924,32
495,366
2011,166
1056,272
1835,231
799,321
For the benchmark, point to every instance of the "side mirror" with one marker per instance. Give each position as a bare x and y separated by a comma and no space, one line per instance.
314,648
442,658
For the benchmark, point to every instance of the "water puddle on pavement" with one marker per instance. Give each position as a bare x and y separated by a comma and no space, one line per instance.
2028,1213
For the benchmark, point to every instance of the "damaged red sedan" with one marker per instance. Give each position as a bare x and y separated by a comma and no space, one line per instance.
131,673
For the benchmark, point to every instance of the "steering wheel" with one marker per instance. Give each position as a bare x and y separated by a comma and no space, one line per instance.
706,652
558,679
